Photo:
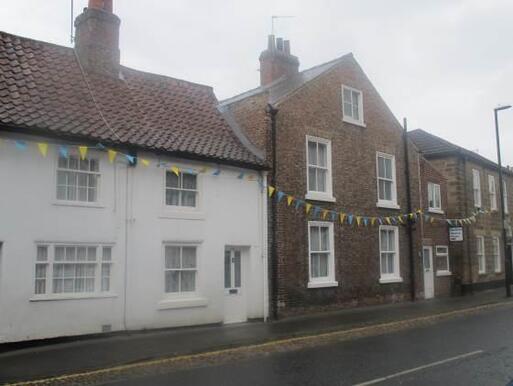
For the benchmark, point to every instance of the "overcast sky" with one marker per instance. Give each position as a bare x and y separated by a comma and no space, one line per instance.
443,64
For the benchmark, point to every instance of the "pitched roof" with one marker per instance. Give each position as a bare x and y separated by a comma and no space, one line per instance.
44,89
432,146
283,87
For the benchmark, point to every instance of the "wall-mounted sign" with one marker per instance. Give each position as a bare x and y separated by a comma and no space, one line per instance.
456,233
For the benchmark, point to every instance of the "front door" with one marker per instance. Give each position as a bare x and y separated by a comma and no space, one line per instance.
234,296
429,285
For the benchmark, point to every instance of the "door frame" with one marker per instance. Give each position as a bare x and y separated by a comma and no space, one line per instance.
431,262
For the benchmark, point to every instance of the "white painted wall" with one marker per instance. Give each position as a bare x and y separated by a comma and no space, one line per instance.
133,217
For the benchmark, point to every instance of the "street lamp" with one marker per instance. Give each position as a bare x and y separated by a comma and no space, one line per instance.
507,256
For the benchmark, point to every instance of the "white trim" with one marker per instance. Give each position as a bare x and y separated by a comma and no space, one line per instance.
183,212
481,257
443,273
319,195
390,204
358,122
497,258
69,296
394,277
505,191
327,281
492,192
170,296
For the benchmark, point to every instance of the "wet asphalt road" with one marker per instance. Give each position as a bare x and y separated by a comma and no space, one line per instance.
486,339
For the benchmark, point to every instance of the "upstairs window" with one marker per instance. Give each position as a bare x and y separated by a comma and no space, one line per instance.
77,179
434,198
476,185
492,192
505,192
181,189
387,192
319,169
352,105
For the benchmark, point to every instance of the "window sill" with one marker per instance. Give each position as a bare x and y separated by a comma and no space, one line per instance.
443,273
322,284
435,210
79,204
317,196
44,298
387,205
171,304
390,280
482,273
182,215
354,122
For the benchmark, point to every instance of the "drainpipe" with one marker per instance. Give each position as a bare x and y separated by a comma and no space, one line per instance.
273,288
408,204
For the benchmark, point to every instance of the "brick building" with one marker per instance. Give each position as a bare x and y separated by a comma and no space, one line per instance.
334,144
473,184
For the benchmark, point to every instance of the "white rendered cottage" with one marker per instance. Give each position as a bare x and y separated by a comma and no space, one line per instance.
127,200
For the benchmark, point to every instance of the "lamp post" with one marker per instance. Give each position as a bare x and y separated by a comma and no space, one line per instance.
507,256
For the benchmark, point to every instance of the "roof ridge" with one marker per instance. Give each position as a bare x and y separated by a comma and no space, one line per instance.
168,77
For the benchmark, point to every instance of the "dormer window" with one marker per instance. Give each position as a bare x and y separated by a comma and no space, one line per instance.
352,105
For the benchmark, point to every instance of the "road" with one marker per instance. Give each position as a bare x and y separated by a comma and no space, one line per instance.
471,350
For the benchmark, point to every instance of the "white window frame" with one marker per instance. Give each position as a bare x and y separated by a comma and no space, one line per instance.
492,192
434,189
61,202
360,121
440,253
481,254
50,261
476,188
496,253
505,191
328,281
394,277
317,195
390,204
180,294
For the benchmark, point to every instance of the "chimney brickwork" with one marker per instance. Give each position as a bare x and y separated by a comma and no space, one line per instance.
97,37
276,61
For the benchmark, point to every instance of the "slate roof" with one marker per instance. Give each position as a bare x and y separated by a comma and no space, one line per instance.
281,88
432,146
43,89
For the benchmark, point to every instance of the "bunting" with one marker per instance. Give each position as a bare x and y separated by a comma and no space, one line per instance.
43,148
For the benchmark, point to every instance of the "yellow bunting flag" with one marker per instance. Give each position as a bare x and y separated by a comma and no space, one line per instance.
175,170
43,148
112,155
388,220
400,218
324,214
432,220
410,216
308,207
271,190
83,152
373,221
203,169
145,162
342,217
290,199
358,220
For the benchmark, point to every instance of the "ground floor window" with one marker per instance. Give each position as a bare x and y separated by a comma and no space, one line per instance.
496,252
442,260
480,253
67,269
180,269
321,253
389,253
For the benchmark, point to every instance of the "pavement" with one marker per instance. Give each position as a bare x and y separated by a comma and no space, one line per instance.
30,362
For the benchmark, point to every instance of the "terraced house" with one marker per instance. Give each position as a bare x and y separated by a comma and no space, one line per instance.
128,201
334,144
473,184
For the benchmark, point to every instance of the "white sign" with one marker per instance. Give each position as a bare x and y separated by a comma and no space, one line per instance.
456,233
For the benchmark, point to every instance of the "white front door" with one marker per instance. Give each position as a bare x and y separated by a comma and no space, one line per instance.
234,294
429,277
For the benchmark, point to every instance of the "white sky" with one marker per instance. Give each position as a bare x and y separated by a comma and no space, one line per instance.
444,64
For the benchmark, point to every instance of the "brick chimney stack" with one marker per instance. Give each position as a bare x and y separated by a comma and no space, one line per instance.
97,37
276,61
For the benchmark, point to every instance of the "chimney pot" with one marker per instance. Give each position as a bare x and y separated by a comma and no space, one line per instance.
286,46
271,44
279,44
